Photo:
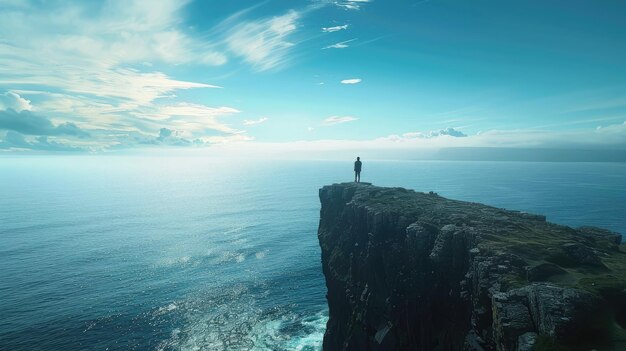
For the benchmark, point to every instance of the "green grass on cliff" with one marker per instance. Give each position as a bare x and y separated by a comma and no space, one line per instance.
526,236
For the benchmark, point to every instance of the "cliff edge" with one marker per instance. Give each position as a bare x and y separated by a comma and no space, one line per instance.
416,271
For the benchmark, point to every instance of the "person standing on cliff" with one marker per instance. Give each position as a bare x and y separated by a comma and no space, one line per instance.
357,170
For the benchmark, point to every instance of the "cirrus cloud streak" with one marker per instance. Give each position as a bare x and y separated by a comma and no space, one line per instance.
333,120
352,81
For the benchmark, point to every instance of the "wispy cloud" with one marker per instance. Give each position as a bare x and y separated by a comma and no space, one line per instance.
192,119
351,4
17,141
123,31
93,72
334,29
186,109
264,43
337,120
248,122
435,133
11,100
351,81
26,122
227,139
340,45
91,54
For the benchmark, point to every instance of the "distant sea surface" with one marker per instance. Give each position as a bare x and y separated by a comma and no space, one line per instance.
129,253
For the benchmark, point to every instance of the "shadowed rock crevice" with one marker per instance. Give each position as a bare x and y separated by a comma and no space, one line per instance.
415,271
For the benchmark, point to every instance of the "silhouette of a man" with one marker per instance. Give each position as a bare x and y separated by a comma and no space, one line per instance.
357,170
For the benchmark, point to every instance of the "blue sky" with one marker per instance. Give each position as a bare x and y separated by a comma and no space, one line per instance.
367,74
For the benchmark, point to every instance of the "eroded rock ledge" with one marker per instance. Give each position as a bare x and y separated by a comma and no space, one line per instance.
415,271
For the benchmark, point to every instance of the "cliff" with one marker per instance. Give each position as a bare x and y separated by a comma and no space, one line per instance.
415,271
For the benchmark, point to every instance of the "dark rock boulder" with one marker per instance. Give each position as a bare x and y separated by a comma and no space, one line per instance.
600,234
562,314
527,342
582,255
543,272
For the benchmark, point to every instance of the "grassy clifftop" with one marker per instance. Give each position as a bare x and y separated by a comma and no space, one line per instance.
589,258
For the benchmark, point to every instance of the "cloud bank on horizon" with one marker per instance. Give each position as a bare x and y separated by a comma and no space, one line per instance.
123,75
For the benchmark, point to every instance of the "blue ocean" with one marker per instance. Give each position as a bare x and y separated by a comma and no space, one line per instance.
191,253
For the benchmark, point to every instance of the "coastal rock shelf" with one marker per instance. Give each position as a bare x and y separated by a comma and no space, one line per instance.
416,271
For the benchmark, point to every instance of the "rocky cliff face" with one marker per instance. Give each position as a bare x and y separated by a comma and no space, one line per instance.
415,271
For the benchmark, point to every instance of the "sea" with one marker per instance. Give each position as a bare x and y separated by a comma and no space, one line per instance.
191,253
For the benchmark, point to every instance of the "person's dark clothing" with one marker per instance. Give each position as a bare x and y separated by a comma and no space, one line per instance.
357,171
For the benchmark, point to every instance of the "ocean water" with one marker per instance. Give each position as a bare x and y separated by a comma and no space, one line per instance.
149,253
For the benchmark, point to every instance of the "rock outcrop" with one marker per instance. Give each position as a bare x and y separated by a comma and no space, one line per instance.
415,271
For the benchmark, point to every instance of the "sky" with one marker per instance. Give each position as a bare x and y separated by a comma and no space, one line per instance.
119,75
